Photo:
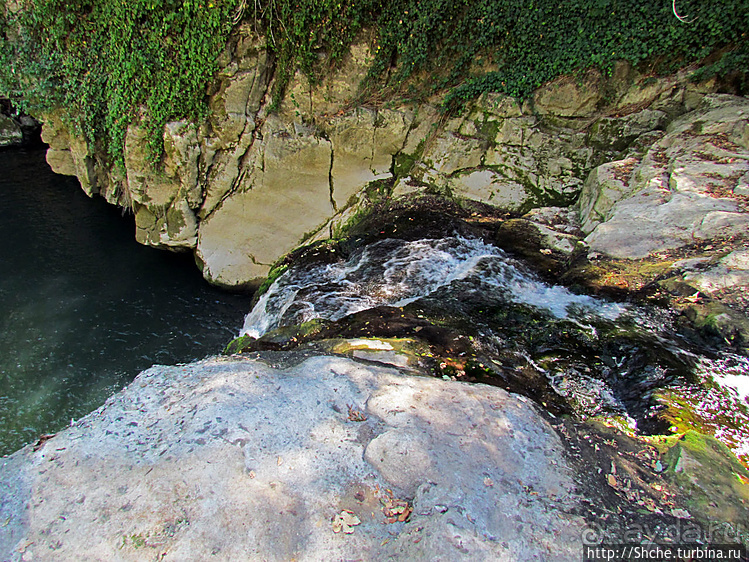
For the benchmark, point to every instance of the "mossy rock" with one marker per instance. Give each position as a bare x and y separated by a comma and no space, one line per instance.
400,352
273,274
238,345
280,338
291,335
715,318
713,479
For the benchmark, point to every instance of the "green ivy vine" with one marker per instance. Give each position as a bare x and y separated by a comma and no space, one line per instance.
103,60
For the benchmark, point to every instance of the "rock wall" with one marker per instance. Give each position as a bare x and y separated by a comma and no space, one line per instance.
690,186
247,186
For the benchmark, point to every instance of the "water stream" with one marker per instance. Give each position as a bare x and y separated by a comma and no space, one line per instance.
396,272
594,357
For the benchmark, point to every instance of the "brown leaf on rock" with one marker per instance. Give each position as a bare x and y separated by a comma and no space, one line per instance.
395,510
355,415
345,521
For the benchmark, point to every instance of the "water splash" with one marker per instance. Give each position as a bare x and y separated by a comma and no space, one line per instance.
395,273
729,371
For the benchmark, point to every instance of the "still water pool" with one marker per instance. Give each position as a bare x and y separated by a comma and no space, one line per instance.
83,307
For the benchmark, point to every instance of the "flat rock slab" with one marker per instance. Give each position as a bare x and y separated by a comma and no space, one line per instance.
236,459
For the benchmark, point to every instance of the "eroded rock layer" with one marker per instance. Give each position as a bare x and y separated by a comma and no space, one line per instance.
248,185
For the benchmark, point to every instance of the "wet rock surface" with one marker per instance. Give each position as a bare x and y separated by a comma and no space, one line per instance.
10,132
17,128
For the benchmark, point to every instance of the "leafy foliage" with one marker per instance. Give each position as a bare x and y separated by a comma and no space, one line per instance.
102,60
310,34
525,43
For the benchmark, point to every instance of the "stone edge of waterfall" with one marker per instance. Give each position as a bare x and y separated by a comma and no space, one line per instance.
259,455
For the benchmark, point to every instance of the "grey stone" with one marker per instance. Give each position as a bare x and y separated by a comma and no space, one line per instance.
231,459
10,132
606,185
617,133
730,272
450,153
682,191
489,186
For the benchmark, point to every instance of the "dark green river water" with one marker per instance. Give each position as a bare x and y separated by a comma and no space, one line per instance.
83,307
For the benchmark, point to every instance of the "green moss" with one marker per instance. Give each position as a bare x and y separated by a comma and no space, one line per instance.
136,541
238,345
275,272
343,230
714,481
403,164
291,335
489,128
175,222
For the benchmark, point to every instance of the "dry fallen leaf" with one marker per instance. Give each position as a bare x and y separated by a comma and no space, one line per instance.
355,415
395,510
611,480
345,521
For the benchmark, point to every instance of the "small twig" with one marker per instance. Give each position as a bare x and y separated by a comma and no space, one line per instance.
239,12
682,19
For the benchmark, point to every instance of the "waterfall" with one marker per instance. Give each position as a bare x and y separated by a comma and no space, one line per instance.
395,272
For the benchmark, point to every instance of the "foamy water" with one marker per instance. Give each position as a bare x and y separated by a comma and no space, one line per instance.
397,272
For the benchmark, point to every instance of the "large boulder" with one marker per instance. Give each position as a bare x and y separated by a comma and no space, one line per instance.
606,185
328,459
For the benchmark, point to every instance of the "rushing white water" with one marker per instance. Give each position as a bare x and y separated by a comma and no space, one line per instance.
730,371
395,273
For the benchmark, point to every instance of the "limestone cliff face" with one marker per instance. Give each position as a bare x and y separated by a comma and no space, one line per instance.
247,186
689,187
